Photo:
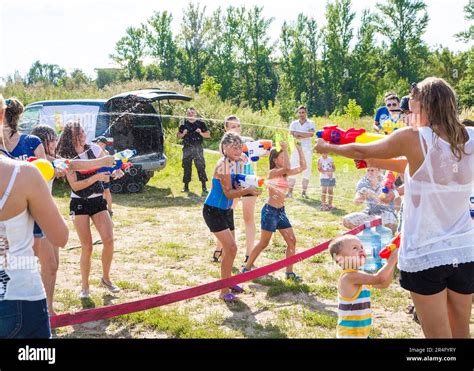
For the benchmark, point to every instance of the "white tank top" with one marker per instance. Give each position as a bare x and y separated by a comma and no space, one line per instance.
437,228
19,274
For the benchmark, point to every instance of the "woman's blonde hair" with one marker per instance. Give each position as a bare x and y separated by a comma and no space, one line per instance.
438,99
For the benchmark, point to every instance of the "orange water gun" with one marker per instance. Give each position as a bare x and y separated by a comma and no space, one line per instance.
387,250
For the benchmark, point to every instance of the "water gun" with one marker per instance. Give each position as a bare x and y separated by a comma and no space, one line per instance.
121,162
387,250
335,135
388,184
256,149
246,181
472,206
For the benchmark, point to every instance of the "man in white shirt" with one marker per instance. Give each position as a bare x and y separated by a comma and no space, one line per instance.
302,130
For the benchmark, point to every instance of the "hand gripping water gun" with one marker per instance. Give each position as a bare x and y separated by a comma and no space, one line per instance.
121,162
246,181
387,250
336,135
44,166
388,184
256,149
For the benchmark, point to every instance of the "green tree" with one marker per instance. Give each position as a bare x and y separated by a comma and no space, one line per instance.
194,45
468,35
223,51
337,36
130,51
162,46
45,73
260,76
210,87
403,23
366,65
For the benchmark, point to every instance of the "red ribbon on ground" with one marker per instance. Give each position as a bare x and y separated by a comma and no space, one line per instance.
95,314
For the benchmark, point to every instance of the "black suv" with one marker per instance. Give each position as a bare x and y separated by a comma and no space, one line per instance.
128,120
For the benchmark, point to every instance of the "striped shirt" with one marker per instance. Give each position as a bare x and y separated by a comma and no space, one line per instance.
354,314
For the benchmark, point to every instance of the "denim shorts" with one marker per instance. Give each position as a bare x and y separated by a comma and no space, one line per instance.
21,319
328,182
273,218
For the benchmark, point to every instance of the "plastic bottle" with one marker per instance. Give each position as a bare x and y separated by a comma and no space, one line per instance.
125,154
372,242
386,237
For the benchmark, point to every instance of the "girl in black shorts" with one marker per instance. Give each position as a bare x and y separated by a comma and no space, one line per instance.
217,211
87,202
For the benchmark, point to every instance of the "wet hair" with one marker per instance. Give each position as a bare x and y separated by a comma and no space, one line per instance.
47,135
13,113
337,244
438,99
69,137
467,122
393,97
273,156
230,139
301,107
230,118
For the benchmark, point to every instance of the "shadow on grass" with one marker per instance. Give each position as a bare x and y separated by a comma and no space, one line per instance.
243,320
316,204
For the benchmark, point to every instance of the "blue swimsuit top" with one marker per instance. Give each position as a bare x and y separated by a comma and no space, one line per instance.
216,197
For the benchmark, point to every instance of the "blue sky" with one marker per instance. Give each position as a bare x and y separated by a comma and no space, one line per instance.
82,33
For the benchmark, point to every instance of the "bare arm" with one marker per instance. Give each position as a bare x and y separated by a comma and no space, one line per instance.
106,161
380,280
224,175
276,172
394,164
43,209
302,165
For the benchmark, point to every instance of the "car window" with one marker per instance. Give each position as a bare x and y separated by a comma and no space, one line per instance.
29,119
56,116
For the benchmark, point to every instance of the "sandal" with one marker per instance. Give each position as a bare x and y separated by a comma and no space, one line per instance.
215,257
244,270
293,277
236,289
229,298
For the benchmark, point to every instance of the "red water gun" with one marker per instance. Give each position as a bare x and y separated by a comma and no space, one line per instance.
335,135
387,250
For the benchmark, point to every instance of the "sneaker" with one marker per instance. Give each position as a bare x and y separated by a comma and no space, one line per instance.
293,277
245,270
110,286
289,195
185,188
84,294
304,195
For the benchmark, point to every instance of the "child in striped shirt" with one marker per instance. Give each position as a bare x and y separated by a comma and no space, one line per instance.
354,313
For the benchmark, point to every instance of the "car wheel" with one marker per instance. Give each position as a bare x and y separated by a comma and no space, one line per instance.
134,187
133,171
116,187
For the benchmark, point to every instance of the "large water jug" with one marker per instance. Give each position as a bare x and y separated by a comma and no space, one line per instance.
371,242
386,237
